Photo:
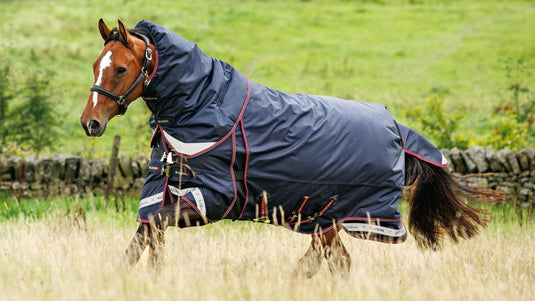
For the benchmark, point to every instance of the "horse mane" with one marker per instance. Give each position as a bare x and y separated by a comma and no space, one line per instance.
115,36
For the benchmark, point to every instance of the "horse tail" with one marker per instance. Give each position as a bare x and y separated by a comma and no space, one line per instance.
439,205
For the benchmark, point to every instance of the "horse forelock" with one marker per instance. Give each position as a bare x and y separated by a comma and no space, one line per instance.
115,36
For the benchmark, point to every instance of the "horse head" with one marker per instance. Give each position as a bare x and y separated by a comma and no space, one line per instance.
119,71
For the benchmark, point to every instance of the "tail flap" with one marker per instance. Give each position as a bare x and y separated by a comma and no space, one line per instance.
416,145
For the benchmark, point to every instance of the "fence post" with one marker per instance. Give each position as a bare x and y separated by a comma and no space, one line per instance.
112,168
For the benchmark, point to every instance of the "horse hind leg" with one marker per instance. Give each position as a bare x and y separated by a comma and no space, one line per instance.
336,254
310,264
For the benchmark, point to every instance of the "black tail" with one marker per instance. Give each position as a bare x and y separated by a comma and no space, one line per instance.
439,205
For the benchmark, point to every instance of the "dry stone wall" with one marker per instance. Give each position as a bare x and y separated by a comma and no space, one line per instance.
503,170
61,175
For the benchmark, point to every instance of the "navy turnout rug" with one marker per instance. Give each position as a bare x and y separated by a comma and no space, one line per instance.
235,149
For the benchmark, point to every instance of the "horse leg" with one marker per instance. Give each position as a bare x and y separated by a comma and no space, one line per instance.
146,234
137,246
178,214
152,234
310,264
157,225
336,254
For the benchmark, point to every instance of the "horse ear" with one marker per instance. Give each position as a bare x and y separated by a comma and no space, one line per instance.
123,33
105,32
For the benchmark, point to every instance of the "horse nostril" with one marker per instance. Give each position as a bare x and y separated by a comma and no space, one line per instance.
93,126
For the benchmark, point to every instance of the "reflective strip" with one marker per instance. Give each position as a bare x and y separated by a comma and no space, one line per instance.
199,200
197,196
153,199
361,227
187,148
180,192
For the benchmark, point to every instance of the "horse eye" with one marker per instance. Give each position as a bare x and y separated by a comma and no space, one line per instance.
120,71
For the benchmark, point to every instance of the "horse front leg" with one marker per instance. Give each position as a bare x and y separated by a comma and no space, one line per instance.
150,234
164,217
336,254
137,245
178,214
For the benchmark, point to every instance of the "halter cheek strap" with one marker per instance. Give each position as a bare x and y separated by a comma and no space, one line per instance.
120,99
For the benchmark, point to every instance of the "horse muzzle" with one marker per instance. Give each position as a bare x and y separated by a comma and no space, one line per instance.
93,127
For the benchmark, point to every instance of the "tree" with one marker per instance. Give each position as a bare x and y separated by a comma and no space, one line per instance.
34,122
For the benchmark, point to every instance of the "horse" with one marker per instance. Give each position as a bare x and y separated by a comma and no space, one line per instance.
225,147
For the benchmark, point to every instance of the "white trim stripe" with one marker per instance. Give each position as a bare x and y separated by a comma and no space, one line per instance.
187,148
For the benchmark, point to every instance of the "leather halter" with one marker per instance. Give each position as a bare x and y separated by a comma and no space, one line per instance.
120,99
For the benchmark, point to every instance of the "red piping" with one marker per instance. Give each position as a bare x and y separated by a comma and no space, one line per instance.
247,153
424,159
232,175
156,63
406,150
185,199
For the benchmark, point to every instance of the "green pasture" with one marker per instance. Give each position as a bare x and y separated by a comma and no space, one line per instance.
390,52
101,211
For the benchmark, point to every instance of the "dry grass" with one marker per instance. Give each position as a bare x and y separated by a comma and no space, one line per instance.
52,259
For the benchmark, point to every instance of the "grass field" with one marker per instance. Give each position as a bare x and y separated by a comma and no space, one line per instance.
391,52
58,257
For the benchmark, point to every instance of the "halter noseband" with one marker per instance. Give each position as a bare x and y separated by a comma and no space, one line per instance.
120,99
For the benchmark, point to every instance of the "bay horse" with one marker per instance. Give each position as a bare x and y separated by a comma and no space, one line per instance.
225,147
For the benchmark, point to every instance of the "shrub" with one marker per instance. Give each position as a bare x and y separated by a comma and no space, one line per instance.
507,132
438,125
518,102
5,97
